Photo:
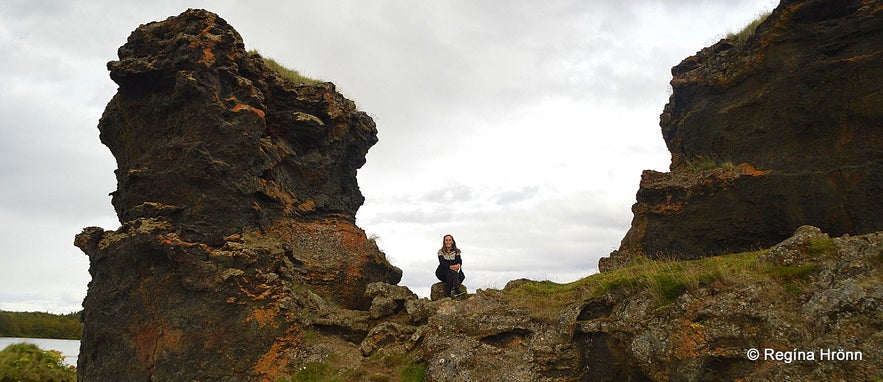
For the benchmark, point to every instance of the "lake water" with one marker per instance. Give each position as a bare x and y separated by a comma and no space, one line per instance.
70,349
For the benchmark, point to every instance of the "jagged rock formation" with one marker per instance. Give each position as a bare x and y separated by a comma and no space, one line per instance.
238,257
800,107
811,306
619,332
235,186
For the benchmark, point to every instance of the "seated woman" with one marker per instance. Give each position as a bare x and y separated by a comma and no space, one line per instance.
449,264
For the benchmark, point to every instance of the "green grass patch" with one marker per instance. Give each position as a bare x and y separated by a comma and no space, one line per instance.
664,280
377,368
287,73
667,287
412,373
406,369
793,272
820,246
314,372
742,35
703,163
549,288
794,278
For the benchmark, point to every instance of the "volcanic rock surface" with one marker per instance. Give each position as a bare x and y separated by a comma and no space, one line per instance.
234,186
768,134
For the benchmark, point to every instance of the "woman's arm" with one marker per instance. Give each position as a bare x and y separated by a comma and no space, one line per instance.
456,264
453,265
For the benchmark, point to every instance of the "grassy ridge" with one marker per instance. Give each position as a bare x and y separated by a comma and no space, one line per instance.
665,280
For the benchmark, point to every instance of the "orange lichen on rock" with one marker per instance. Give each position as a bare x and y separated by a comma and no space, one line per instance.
208,58
151,340
275,191
240,106
747,169
309,205
173,241
689,340
273,364
351,237
265,317
255,291
667,208
862,57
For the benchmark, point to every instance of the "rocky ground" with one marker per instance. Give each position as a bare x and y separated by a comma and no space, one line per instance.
801,304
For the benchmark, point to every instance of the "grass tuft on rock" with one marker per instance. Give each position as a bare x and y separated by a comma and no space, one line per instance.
287,73
702,163
742,35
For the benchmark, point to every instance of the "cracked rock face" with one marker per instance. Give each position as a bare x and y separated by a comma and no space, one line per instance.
213,140
234,187
766,135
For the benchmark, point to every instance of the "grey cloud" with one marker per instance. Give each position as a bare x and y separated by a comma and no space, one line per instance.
512,197
411,214
47,167
449,194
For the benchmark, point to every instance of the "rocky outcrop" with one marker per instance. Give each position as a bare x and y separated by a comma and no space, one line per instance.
769,134
809,306
235,189
214,141
238,257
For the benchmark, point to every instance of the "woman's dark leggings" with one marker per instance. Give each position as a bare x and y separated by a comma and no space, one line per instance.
451,279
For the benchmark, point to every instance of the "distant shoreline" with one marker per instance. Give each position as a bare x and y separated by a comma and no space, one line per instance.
41,325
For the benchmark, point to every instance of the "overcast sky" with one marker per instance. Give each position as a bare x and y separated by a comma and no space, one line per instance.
520,127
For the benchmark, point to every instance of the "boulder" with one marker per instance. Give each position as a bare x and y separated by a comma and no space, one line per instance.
437,291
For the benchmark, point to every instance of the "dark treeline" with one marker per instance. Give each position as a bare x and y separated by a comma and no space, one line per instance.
41,325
